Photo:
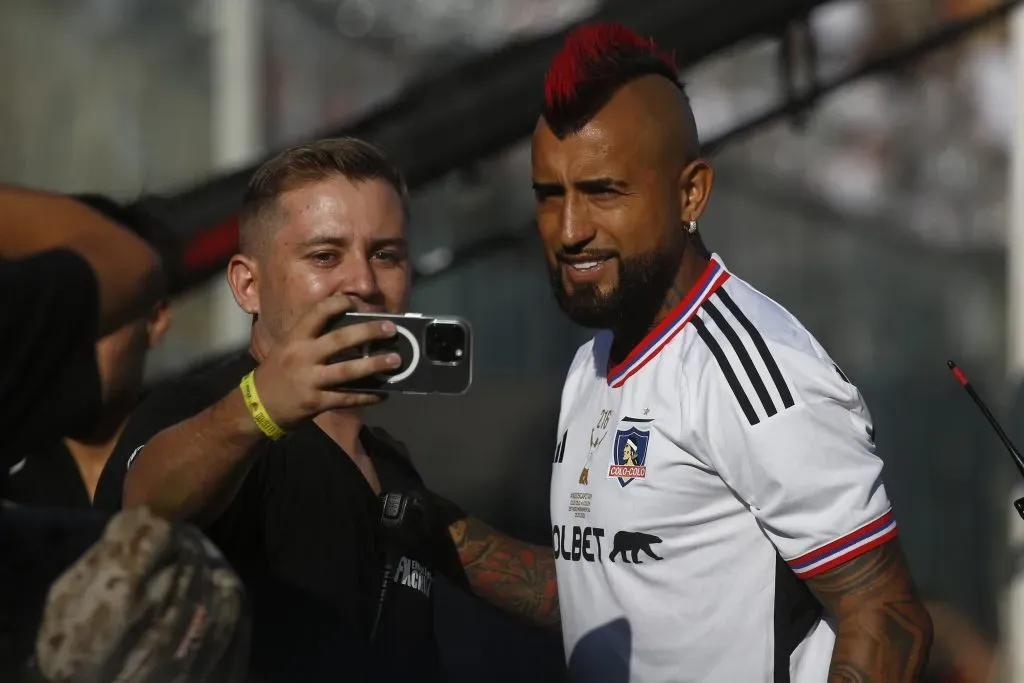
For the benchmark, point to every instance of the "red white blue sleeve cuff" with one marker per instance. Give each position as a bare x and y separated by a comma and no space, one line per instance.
856,543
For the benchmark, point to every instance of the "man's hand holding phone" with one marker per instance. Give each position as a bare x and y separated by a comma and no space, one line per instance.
299,380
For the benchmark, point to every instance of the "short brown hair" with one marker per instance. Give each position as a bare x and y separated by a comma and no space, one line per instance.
351,158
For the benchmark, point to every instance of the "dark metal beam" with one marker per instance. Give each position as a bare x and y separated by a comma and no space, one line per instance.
482,107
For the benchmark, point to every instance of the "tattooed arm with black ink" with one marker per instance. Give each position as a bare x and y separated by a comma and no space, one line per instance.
517,577
883,631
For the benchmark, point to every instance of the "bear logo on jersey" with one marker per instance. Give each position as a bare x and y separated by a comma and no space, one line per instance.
628,461
628,543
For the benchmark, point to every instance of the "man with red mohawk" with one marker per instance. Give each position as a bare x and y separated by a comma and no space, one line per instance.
717,504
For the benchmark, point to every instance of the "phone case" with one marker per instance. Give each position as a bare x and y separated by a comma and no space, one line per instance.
436,352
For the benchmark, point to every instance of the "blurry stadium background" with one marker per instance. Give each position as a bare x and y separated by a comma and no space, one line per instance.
883,219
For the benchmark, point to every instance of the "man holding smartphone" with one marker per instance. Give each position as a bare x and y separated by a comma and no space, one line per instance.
276,464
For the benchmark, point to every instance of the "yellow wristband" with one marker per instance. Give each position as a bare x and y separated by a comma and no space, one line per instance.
256,409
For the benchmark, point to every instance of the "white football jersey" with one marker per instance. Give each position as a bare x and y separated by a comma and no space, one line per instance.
697,484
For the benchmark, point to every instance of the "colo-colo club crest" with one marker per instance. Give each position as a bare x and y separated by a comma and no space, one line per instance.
630,456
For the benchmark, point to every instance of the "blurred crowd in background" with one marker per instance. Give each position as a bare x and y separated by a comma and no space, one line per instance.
880,221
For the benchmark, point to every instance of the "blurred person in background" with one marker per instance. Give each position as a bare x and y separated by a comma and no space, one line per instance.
717,504
64,472
276,463
71,274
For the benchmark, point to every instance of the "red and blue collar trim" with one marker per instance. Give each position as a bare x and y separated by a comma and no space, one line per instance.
658,338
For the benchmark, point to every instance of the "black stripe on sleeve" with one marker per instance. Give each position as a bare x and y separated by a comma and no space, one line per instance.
741,353
762,348
842,375
723,363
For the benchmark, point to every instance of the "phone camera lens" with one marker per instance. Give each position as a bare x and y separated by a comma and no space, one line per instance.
445,343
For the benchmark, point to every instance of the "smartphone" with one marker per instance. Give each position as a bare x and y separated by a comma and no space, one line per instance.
436,352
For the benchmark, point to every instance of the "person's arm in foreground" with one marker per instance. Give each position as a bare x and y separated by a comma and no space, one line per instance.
192,469
127,270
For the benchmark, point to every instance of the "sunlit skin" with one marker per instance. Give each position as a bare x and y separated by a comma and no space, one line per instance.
621,190
334,237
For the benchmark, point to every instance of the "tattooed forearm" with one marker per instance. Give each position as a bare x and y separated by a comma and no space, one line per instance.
514,576
883,629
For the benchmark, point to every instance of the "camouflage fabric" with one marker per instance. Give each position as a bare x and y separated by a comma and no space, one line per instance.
150,602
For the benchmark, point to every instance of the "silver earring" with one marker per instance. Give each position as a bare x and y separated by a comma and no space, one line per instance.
691,227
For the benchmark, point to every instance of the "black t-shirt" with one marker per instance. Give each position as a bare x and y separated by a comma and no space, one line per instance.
47,477
303,532
49,382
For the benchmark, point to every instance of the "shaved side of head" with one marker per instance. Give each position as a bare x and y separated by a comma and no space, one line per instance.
665,129
258,226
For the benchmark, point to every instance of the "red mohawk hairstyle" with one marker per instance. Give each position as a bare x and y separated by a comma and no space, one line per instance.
597,60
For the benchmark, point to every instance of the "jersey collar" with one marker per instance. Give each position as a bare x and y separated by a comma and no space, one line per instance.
649,347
